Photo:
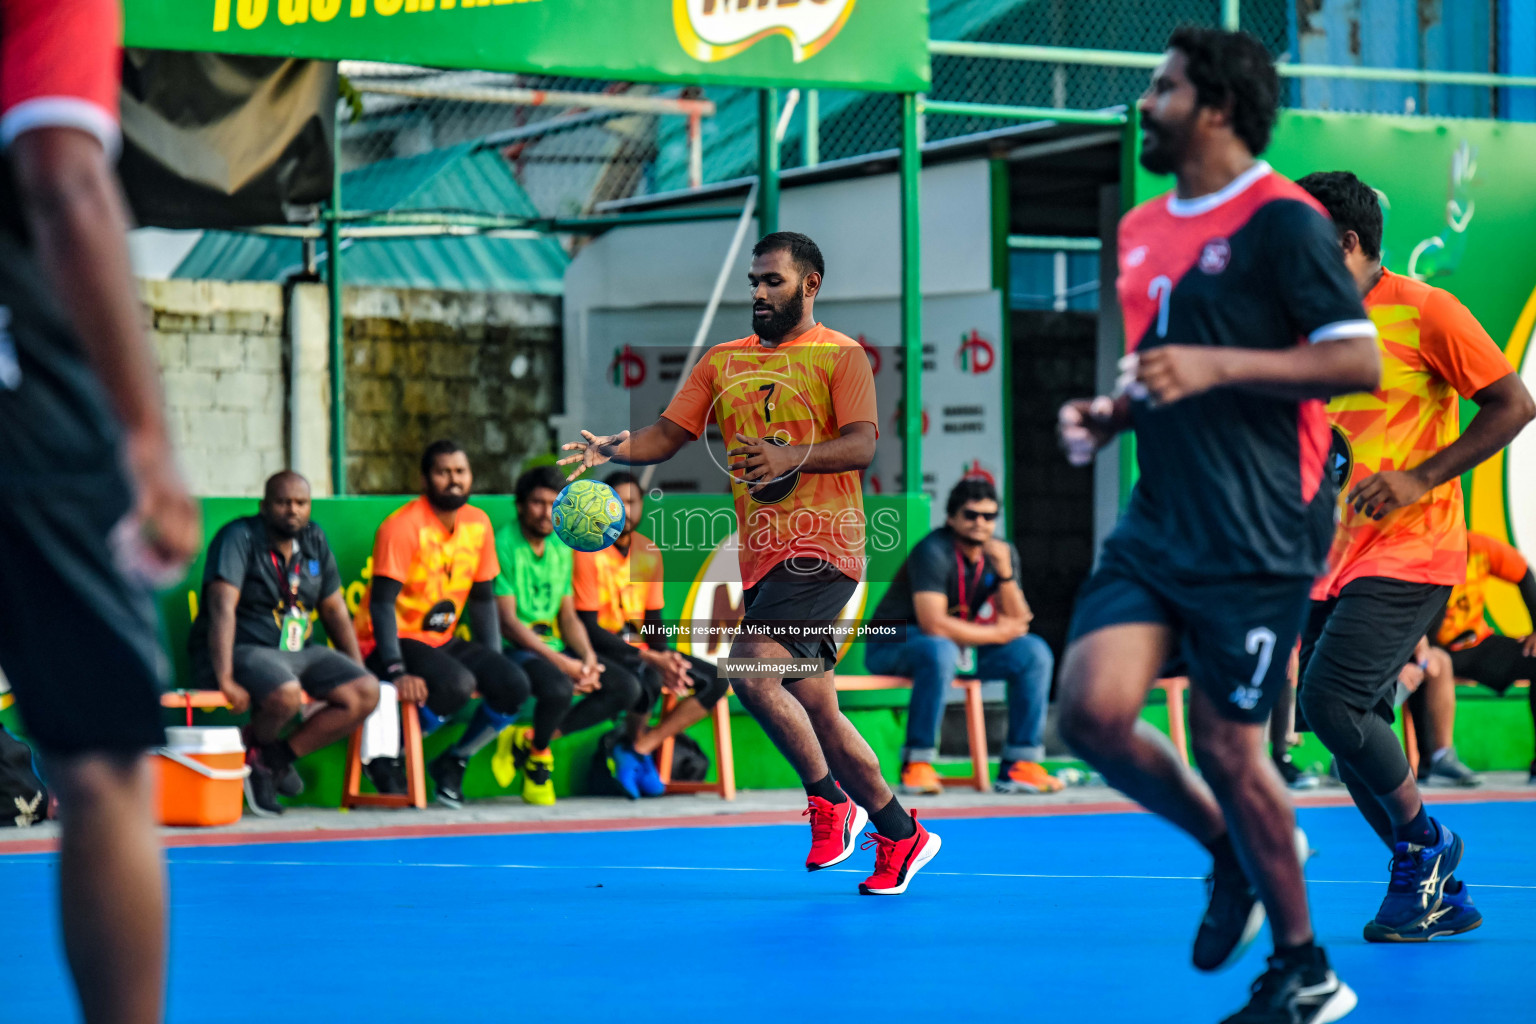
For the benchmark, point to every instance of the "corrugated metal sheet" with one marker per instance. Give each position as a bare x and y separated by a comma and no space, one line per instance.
460,179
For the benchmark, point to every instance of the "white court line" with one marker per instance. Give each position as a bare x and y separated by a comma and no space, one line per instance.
705,867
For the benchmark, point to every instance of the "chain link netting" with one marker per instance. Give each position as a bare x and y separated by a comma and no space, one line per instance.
568,161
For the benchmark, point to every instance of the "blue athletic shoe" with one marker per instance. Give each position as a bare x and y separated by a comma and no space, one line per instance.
1412,908
627,768
650,778
430,720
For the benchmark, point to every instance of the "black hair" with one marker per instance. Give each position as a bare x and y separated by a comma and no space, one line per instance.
971,488
805,253
442,446
1232,68
622,476
538,476
1353,205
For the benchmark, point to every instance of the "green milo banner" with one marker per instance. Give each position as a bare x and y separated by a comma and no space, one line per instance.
855,44
1461,214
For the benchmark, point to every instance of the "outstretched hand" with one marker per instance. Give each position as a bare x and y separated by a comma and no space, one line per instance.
592,451
760,462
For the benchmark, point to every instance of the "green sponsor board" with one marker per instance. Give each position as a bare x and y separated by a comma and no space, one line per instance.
1460,214
858,44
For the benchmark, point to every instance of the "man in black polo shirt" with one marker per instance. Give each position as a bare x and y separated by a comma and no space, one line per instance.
945,581
264,575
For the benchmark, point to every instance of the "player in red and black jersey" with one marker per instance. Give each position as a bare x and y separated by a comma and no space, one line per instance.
92,508
1240,317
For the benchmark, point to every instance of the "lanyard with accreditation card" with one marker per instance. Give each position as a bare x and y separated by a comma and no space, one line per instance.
965,661
295,624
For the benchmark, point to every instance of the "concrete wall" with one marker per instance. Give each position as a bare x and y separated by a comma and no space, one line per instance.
222,362
481,369
484,370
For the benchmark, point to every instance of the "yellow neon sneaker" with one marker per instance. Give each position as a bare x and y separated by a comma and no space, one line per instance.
503,763
538,774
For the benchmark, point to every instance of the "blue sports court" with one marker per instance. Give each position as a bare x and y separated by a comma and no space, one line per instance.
1056,917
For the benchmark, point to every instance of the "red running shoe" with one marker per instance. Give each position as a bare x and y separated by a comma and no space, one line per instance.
897,861
834,831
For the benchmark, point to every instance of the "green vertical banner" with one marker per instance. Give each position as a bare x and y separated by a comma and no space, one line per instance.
850,44
1460,214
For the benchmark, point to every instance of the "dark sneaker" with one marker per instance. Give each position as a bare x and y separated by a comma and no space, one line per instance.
447,773
1454,915
1233,917
387,775
1414,894
1294,777
260,786
1296,993
1447,770
289,783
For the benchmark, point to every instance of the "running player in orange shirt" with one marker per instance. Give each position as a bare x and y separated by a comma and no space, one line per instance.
798,402
1400,546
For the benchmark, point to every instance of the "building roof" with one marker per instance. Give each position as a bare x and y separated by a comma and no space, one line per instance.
466,178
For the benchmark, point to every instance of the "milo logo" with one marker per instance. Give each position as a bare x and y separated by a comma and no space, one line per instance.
714,30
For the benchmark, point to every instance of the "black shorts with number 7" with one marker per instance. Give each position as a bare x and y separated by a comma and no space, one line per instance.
1232,635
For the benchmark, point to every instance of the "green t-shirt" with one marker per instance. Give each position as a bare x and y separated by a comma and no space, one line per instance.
538,583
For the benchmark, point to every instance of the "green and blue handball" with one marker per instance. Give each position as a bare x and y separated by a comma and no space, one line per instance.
588,515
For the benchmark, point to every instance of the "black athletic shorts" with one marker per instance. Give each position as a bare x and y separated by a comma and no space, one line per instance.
1233,635
261,670
1355,644
78,641
1498,663
796,602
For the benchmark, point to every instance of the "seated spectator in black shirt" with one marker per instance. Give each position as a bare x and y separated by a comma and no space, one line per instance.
265,575
946,580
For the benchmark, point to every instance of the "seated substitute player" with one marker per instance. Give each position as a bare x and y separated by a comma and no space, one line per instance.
944,582
434,561
1470,649
94,509
534,606
1240,316
264,576
1400,546
617,593
797,402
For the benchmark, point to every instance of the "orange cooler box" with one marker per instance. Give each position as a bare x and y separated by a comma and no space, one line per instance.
201,772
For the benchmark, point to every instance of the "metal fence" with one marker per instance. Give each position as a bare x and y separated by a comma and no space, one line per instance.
569,160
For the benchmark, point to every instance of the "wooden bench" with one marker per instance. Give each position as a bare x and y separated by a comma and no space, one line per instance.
980,778
725,760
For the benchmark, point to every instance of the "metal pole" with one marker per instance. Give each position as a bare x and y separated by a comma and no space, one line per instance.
338,364
1230,20
812,127
1057,114
767,161
542,98
911,300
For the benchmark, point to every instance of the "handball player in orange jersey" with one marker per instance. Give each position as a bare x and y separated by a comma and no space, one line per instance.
795,403
1400,546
